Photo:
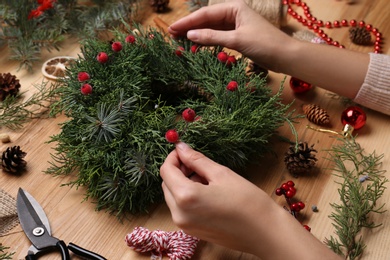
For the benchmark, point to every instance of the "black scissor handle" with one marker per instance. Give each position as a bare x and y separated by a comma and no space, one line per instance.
84,252
60,245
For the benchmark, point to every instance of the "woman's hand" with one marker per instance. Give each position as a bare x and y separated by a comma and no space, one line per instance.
213,203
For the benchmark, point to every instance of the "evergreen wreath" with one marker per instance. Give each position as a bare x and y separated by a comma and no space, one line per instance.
122,97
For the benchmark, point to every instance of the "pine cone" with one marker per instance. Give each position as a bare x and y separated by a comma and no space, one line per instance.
360,35
159,6
9,85
12,160
301,161
316,114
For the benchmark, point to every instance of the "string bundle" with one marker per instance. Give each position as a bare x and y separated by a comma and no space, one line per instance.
175,244
272,10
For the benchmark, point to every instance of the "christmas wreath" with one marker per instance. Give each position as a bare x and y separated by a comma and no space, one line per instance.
127,100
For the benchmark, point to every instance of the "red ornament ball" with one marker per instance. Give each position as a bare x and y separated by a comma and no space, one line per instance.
299,86
102,57
130,39
86,89
116,46
222,57
83,76
189,115
172,136
232,86
354,116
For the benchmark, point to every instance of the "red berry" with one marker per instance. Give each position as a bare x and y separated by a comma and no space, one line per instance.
102,57
116,46
179,51
285,186
83,76
279,192
295,207
172,136
189,115
86,89
231,60
222,57
301,205
232,86
289,194
291,183
130,39
194,48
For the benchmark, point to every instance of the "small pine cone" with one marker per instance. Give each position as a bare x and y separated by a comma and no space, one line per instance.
12,160
316,114
159,6
302,160
9,85
360,35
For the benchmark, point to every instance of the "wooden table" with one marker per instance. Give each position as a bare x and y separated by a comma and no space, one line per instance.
75,221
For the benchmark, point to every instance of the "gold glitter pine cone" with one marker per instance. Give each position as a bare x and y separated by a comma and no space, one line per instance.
12,160
302,160
9,85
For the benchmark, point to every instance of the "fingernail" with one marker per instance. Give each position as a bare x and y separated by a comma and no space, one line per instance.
193,35
182,146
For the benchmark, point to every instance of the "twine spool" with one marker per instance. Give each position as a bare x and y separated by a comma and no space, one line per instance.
272,10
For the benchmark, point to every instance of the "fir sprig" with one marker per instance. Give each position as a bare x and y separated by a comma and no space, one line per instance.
5,255
362,185
114,141
15,111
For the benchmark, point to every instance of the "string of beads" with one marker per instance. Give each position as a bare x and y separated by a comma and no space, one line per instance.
177,245
315,25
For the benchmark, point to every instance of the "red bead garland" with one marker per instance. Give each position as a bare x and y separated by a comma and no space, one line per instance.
314,24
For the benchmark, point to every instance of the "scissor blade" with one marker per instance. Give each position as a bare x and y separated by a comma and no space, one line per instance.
31,217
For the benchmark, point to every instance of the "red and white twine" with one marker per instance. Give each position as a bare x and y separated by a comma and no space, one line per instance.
175,244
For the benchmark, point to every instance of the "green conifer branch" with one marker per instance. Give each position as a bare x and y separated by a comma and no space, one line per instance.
5,255
15,111
362,185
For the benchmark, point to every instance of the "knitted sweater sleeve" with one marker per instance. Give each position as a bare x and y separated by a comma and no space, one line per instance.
375,91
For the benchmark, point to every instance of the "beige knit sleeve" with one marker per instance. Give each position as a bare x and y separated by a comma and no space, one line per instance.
375,91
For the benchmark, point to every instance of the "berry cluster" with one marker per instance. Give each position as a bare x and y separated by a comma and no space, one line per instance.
189,115
288,190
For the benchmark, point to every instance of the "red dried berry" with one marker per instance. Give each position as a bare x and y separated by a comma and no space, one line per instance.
130,39
116,46
179,51
301,205
83,76
102,57
172,136
232,86
285,186
295,207
231,60
222,57
189,115
289,194
194,48
291,183
86,89
279,192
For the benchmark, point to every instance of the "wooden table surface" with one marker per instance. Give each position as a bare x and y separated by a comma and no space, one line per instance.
75,221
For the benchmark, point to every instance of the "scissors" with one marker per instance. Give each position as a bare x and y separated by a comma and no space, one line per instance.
35,225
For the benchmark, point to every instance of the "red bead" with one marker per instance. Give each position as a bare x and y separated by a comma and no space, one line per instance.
320,23
315,28
336,43
320,31
336,23
329,40
328,24
344,22
324,36
353,22
309,25
279,192
313,19
377,48
291,183
299,86
378,39
368,27
374,30
362,23
354,116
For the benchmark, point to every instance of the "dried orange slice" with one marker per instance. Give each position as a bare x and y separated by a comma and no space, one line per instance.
55,67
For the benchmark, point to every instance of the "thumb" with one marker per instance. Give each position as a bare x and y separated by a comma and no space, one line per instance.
198,162
211,37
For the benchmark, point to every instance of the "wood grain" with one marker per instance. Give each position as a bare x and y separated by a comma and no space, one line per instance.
75,221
